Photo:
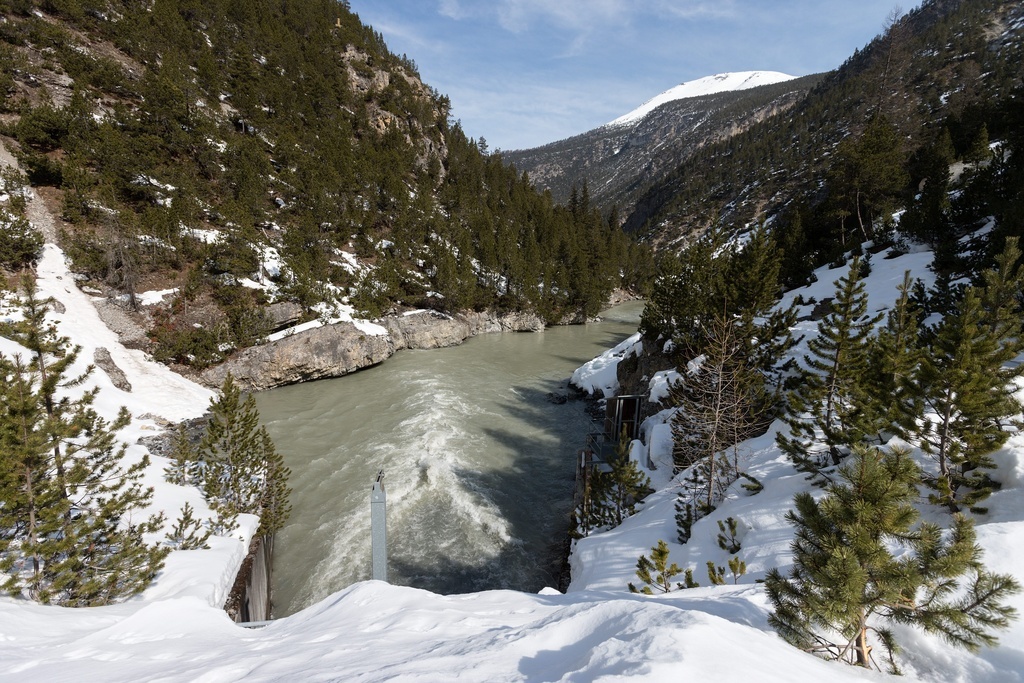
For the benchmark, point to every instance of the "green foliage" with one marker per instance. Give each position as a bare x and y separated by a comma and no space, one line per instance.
616,487
716,575
727,535
183,469
962,380
20,244
656,572
829,411
752,485
188,532
737,568
685,516
181,342
859,560
241,470
247,323
67,496
893,358
867,175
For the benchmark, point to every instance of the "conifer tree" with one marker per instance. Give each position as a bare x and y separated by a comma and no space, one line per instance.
241,470
1002,297
829,411
968,392
847,580
67,496
656,572
615,491
893,357
719,403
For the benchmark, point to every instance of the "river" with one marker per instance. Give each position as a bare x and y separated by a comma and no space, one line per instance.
478,463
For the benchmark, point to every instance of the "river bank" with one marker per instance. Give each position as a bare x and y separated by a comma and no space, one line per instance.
478,443
338,349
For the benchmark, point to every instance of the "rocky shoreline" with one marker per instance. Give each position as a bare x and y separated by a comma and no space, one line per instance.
341,348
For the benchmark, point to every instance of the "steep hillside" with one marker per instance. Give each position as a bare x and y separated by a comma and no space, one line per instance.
947,66
621,159
260,163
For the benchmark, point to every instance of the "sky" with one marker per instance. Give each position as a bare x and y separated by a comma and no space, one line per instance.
522,73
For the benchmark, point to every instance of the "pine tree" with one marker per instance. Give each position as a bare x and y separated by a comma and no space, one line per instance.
969,394
720,402
615,491
829,411
846,577
68,496
241,470
1002,298
656,572
184,467
188,532
893,357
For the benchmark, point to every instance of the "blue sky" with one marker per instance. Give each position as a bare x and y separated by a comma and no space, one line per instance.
522,73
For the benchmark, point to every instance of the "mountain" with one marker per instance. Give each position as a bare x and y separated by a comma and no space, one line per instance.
709,85
769,152
946,66
263,163
619,160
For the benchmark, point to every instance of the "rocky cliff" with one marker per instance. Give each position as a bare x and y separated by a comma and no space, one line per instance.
341,348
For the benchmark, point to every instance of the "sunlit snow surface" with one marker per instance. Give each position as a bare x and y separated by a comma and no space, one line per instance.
376,632
709,85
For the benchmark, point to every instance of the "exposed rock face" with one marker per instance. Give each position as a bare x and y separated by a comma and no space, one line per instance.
426,330
336,350
329,351
101,356
283,314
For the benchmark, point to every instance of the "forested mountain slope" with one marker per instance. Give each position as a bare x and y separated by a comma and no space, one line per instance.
942,80
618,162
236,154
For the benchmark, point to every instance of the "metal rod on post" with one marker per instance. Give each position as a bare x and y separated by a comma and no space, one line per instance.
378,529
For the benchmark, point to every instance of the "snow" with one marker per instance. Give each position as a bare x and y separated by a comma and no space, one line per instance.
709,85
154,297
599,373
659,385
371,631
339,313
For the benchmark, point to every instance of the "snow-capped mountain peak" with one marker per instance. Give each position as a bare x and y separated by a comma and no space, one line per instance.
709,85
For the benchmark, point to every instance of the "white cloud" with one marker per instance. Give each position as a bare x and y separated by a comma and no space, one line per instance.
586,15
452,9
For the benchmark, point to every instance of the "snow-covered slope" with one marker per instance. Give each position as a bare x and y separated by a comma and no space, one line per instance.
709,85
372,631
607,561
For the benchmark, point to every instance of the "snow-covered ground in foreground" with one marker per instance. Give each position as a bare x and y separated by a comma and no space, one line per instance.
372,631
709,85
607,562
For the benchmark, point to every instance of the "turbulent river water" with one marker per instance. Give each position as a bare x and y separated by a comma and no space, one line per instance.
478,463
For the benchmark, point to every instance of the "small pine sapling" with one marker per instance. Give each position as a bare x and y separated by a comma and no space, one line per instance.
716,574
183,469
738,568
684,518
752,484
188,533
727,539
656,572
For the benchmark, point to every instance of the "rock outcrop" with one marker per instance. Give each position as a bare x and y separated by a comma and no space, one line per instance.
341,348
328,351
